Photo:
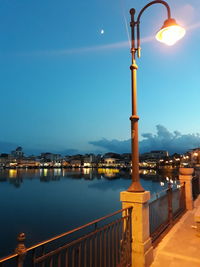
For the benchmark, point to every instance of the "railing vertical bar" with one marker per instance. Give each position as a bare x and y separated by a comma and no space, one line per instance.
66,258
121,244
51,262
120,240
121,223
100,248
127,238
33,258
90,243
113,248
79,256
123,233
109,251
170,204
117,243
43,252
85,253
104,252
59,260
73,257
95,249
180,198
130,236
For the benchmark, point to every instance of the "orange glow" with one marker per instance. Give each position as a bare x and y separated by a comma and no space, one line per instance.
105,170
12,173
45,171
170,32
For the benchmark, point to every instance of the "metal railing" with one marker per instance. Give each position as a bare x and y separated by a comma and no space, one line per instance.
168,205
101,243
195,187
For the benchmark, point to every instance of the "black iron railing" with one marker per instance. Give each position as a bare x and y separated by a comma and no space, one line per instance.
100,243
195,187
164,208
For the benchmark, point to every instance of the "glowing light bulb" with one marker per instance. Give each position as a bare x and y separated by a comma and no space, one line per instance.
170,32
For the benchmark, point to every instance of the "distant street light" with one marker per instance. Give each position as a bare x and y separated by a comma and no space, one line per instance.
169,34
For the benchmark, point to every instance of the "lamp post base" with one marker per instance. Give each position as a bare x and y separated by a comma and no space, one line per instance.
135,187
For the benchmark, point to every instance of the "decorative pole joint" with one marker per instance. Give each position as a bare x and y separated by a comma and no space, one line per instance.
133,66
134,118
132,11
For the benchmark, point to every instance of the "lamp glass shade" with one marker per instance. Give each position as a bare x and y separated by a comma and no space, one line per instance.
170,32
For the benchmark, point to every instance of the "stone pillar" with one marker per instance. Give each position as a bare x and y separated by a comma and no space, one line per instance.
142,250
185,175
197,174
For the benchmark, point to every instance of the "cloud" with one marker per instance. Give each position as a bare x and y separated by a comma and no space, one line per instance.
78,50
162,140
193,26
165,140
112,145
188,12
82,50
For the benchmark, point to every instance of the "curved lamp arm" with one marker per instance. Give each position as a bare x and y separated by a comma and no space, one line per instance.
152,3
137,22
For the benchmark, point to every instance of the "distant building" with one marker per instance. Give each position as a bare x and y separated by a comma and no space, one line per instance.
28,163
148,163
76,163
50,157
17,153
5,159
154,154
112,155
110,162
89,160
126,160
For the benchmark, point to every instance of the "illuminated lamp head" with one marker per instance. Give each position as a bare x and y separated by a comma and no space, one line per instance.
170,32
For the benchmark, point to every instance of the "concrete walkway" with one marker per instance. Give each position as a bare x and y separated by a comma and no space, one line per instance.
180,247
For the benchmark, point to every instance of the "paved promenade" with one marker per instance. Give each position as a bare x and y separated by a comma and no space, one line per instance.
180,247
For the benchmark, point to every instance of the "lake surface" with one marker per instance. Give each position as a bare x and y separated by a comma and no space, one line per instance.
46,202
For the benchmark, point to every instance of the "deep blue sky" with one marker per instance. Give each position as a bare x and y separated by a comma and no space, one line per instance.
64,84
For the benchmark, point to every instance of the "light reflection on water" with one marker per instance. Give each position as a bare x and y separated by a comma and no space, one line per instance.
45,202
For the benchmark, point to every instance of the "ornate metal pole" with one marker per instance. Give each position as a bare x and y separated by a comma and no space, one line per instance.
135,186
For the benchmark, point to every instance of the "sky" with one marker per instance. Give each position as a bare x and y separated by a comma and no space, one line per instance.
65,78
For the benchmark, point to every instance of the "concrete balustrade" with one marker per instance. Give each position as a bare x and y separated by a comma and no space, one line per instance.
185,176
142,250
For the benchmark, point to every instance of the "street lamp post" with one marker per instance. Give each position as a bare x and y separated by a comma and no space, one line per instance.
168,34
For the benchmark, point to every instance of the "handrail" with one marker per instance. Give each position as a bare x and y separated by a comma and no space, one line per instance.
77,229
8,257
165,190
65,234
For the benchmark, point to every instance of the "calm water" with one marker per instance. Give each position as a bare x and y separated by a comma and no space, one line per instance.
43,203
